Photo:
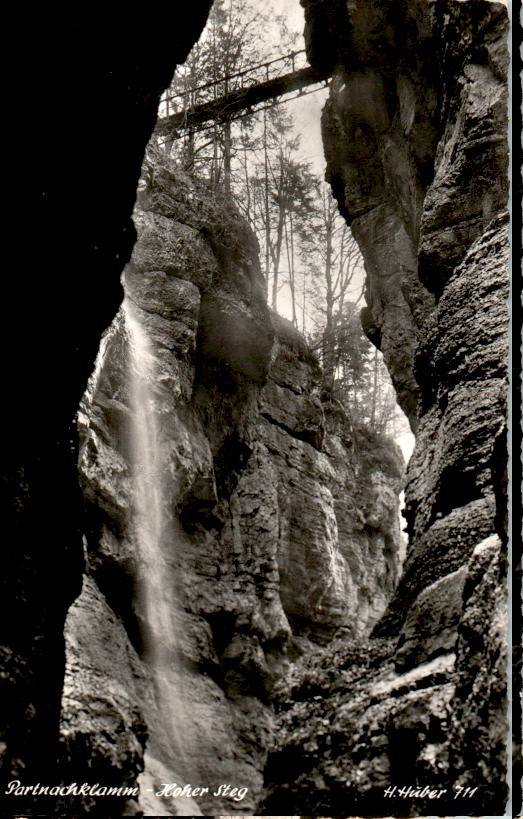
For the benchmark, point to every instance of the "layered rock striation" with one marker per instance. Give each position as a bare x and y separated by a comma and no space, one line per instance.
415,136
279,514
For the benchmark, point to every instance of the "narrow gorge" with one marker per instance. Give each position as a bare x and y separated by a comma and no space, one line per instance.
265,522
235,607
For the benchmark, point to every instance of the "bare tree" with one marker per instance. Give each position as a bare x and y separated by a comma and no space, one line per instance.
334,262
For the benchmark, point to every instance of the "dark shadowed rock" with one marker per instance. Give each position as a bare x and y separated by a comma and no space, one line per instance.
100,75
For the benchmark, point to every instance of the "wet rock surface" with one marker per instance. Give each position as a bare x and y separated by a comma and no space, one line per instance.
102,727
282,517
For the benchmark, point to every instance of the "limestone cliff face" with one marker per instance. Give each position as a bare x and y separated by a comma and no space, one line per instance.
415,135
280,520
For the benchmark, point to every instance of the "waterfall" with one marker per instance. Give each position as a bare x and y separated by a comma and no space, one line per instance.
157,546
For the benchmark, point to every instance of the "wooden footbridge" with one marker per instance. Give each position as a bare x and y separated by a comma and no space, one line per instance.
238,95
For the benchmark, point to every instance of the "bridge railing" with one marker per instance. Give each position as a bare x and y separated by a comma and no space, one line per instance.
232,97
176,100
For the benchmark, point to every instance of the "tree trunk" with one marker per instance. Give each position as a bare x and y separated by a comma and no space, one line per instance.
227,143
247,186
374,391
290,265
276,256
266,202
189,152
329,353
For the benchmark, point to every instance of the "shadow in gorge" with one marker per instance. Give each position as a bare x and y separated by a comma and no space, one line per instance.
58,310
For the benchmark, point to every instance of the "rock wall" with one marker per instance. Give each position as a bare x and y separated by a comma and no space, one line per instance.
282,517
415,136
81,128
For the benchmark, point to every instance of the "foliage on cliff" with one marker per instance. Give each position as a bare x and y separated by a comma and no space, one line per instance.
378,451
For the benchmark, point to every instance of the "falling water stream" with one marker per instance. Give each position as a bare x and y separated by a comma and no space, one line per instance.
157,548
